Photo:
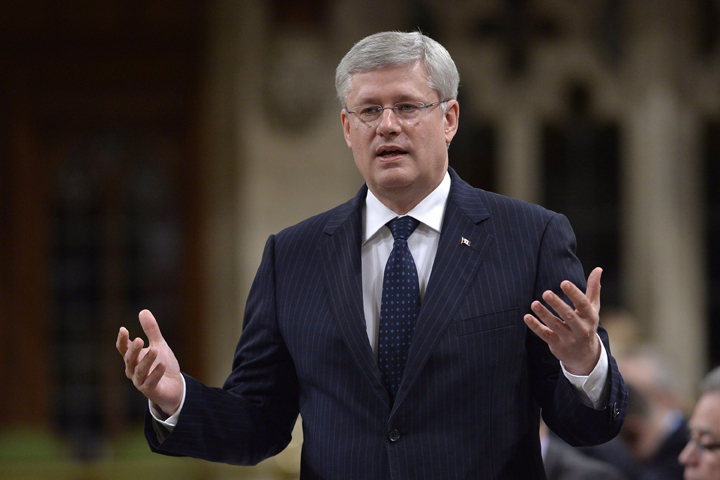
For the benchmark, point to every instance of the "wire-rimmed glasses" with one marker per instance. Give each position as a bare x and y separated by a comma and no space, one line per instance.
408,111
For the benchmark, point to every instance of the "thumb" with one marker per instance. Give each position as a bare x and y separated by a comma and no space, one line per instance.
150,327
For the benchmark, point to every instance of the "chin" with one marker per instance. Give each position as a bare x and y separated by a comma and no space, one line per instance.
393,177
394,183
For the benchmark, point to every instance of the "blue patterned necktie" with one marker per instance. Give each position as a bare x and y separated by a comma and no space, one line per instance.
399,305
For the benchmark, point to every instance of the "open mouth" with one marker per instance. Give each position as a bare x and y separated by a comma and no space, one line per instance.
391,153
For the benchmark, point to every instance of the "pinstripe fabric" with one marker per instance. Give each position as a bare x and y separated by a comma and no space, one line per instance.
476,377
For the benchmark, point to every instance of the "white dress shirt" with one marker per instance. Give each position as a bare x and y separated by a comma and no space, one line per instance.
377,241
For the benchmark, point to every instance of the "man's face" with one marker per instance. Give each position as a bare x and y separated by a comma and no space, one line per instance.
401,161
701,456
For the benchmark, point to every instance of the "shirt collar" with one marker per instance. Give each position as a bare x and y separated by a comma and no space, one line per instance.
429,211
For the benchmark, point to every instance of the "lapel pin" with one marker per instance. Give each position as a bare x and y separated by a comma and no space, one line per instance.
465,241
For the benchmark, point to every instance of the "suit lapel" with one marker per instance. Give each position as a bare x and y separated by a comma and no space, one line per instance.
341,262
455,266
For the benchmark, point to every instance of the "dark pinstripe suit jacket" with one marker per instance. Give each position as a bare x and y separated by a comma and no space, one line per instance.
476,377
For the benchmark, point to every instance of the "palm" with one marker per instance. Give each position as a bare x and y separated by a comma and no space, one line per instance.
154,370
571,335
169,386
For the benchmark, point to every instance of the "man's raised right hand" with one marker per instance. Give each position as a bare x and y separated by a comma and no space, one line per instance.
153,370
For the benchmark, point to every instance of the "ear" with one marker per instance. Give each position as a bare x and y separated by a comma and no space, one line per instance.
452,116
346,125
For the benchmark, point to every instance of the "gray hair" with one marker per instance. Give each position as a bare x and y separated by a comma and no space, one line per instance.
711,382
390,49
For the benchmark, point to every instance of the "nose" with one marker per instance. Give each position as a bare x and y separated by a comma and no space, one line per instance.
689,454
388,123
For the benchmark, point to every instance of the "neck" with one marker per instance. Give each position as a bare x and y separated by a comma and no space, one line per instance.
403,199
400,204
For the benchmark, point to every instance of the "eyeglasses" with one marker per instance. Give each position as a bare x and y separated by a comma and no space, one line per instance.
404,111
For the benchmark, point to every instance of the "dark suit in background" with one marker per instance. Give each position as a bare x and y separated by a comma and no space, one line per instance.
563,462
664,465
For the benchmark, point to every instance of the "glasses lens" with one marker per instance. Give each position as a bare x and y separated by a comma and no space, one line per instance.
369,113
406,111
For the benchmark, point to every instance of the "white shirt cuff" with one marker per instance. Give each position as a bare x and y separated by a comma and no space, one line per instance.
159,415
591,388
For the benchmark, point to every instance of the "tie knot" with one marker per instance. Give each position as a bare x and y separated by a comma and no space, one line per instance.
402,227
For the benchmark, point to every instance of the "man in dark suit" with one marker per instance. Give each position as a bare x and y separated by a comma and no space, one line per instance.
446,381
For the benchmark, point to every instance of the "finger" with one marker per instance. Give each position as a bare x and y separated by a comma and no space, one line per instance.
123,341
593,287
547,317
150,327
143,367
538,328
579,299
155,376
565,311
131,356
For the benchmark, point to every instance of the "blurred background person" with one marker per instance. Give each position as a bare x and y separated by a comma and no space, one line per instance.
656,428
701,456
563,462
656,431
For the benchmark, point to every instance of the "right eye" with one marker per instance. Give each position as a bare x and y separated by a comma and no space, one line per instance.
370,110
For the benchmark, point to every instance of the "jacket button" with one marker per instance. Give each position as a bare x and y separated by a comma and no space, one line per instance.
394,435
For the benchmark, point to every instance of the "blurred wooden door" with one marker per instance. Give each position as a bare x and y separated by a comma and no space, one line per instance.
99,199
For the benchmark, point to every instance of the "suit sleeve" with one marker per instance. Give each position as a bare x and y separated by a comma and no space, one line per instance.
252,416
562,410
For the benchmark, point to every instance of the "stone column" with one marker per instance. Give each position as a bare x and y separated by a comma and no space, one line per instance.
520,165
662,254
222,153
275,154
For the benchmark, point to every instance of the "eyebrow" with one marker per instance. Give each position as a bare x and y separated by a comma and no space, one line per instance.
703,432
370,100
